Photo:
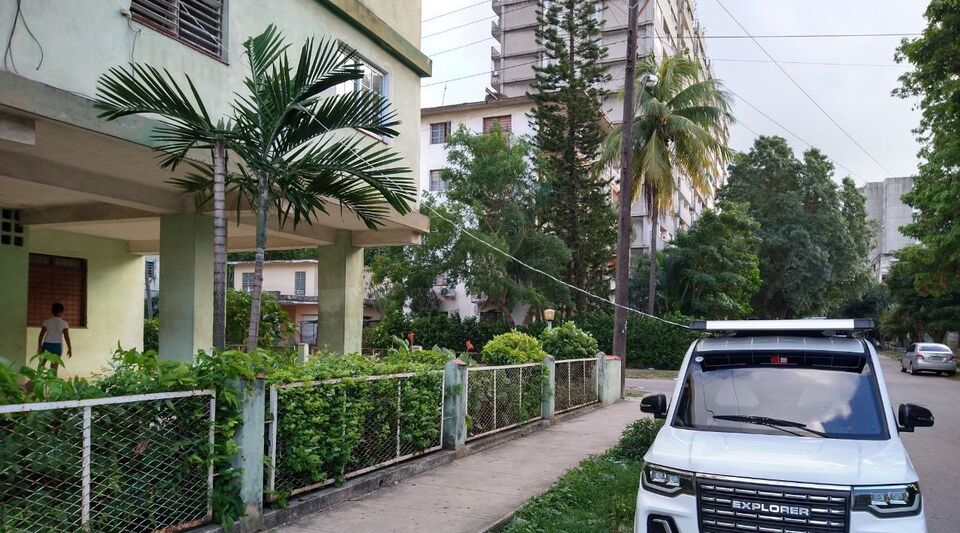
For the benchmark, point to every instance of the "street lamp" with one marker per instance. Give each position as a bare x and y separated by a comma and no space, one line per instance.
549,315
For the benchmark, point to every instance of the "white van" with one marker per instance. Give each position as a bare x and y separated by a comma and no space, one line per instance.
780,426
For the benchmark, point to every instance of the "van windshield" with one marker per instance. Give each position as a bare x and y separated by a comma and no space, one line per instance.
787,394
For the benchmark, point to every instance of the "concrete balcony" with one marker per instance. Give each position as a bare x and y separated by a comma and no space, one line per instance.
495,30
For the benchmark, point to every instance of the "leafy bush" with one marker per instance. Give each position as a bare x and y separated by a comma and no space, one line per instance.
650,343
275,324
637,439
151,334
568,342
512,348
437,330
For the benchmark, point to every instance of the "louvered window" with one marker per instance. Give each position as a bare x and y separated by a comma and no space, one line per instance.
504,121
54,279
246,280
300,283
196,23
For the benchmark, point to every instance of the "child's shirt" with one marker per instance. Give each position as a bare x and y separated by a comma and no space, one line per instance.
55,326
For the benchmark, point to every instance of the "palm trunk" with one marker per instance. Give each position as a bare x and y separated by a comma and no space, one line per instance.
263,209
219,246
654,234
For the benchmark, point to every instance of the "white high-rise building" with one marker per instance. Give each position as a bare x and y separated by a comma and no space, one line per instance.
665,27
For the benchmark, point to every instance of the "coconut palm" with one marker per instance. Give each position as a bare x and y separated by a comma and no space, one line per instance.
302,144
680,129
185,127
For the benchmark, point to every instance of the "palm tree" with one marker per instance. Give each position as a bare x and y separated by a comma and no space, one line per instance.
187,126
302,145
680,128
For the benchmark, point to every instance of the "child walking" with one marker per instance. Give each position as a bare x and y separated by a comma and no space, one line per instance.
53,333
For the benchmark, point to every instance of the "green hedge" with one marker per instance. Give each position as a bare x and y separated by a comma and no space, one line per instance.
650,343
567,341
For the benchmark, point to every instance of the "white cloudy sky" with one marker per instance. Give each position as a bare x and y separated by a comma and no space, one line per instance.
857,97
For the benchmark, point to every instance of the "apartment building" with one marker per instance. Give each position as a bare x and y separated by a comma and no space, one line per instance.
885,208
82,200
665,27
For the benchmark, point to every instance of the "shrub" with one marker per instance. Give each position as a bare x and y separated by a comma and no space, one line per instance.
650,343
151,334
275,324
568,342
637,439
437,330
512,348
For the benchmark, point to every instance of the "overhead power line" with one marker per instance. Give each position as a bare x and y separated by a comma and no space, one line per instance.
455,11
545,274
805,93
818,63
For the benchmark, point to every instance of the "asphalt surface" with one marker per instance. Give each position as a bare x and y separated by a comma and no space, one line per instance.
935,451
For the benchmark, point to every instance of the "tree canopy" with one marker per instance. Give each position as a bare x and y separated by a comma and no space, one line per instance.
814,235
712,270
490,193
574,199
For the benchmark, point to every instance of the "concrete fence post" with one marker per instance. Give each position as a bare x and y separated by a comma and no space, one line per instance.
249,438
454,404
610,379
548,405
601,372
303,353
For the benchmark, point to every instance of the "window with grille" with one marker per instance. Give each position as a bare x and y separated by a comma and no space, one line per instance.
300,283
196,23
11,232
151,270
436,181
439,132
246,281
53,279
503,120
374,79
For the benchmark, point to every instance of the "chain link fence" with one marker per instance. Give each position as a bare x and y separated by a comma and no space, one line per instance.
325,431
501,397
575,383
126,464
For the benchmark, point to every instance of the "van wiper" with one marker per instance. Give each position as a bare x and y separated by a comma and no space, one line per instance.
770,422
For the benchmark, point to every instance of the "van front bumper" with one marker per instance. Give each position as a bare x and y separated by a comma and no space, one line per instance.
683,510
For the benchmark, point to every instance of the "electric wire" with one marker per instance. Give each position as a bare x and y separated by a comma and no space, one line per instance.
809,97
455,11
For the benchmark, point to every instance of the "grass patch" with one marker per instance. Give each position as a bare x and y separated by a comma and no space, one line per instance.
600,495
651,373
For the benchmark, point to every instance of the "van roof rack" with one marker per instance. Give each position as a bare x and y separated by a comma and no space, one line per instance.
767,327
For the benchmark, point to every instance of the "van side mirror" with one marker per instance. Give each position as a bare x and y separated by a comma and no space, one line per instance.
655,404
912,416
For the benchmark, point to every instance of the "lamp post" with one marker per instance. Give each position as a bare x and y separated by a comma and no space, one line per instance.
549,315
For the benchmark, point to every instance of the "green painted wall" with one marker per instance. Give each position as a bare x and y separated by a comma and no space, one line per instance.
13,300
114,298
186,285
340,295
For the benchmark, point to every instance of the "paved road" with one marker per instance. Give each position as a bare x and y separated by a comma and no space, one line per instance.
935,451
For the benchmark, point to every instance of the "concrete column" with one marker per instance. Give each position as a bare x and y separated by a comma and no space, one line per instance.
249,457
186,285
14,268
609,369
303,353
454,404
340,295
548,405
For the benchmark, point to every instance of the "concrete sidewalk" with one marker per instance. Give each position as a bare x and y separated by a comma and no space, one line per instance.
473,493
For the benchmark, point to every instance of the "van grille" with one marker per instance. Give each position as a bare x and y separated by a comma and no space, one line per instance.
726,506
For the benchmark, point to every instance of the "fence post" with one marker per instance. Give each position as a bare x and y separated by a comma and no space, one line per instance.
454,404
250,439
303,353
608,367
548,406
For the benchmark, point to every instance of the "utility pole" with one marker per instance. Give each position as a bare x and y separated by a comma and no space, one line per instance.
621,296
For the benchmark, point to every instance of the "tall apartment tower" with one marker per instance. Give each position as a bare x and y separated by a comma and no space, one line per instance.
666,27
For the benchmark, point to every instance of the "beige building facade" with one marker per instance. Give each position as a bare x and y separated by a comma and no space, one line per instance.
84,200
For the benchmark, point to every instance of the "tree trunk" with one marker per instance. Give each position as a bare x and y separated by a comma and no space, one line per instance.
219,246
654,234
263,210
505,311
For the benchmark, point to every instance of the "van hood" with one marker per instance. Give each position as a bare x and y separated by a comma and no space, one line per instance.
783,458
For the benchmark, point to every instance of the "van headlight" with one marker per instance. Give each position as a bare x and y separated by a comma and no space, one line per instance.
888,501
666,481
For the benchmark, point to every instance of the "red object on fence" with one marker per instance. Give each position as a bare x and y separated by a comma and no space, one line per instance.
410,336
469,345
